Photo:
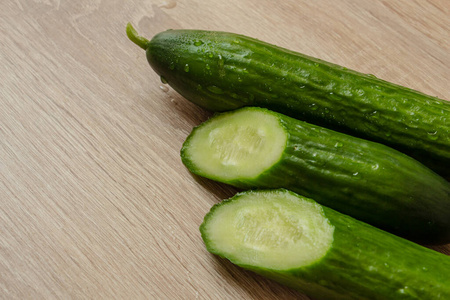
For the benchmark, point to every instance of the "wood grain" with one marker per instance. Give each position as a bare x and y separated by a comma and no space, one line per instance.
95,202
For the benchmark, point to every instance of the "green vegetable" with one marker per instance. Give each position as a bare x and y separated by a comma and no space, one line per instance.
257,148
223,71
325,254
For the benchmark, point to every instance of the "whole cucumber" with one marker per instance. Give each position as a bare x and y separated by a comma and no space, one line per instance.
325,254
222,71
257,148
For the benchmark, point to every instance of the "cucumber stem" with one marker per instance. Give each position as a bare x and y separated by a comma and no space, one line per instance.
136,38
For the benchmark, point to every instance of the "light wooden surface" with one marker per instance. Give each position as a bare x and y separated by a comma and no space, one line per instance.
95,202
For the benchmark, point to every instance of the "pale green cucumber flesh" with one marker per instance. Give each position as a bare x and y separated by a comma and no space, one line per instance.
331,255
237,146
257,148
272,230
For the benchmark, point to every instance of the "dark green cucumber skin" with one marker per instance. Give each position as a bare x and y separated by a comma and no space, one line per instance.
223,71
363,262
366,180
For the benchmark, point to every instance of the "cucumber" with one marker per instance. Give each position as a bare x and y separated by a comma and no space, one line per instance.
325,254
223,71
257,148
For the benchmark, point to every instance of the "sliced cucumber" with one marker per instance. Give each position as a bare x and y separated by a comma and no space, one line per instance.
257,148
327,255
266,230
232,147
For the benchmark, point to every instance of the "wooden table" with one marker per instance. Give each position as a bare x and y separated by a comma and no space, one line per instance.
95,202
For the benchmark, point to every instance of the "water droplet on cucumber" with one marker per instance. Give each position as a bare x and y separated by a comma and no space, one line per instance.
221,64
433,135
404,290
215,89
313,106
374,114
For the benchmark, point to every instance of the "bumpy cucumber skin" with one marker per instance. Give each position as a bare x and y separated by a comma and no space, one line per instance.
223,71
366,180
363,263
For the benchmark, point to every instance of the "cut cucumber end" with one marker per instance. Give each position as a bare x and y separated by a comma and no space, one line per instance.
236,145
271,229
